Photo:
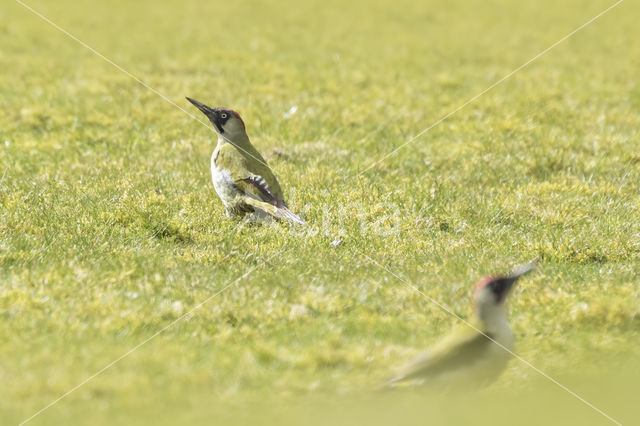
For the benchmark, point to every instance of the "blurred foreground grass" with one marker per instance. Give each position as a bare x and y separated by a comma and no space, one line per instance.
110,229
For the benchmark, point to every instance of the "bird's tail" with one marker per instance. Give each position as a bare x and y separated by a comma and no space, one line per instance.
391,383
278,212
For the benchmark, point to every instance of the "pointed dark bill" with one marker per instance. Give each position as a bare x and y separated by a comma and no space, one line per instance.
523,269
518,272
202,107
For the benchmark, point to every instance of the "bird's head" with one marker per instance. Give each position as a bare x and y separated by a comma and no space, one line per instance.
225,121
491,292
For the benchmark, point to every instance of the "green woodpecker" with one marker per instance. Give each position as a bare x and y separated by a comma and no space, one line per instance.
474,354
241,177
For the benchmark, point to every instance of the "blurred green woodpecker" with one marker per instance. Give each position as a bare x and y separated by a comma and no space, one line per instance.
472,354
241,177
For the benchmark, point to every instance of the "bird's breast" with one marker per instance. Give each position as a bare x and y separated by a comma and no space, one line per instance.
505,339
222,180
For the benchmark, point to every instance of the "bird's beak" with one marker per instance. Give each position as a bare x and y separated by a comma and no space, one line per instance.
520,271
211,114
208,111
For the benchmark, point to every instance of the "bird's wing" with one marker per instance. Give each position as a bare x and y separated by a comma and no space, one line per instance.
458,351
257,186
257,165
245,162
268,179
255,179
258,195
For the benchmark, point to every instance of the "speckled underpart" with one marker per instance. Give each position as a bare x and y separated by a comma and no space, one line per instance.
226,189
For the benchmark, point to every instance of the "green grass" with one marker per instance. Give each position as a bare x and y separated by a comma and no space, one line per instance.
110,228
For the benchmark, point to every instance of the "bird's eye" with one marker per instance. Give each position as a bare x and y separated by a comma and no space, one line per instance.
224,115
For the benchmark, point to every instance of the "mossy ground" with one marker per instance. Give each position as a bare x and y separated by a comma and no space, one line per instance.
110,229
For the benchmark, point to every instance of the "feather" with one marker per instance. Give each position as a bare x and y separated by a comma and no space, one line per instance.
261,185
278,212
454,353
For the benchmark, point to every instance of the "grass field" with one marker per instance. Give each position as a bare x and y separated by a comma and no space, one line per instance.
110,228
